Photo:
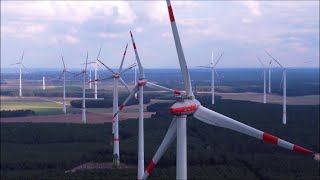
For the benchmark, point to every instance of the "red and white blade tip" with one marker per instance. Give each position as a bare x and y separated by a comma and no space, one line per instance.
275,140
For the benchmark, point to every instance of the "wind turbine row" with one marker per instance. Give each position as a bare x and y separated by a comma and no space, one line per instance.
186,105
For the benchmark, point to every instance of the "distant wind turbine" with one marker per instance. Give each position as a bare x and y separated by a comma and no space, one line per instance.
213,71
84,74
264,81
64,109
284,78
115,124
20,66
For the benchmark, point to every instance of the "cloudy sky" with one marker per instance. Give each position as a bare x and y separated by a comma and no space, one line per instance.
242,29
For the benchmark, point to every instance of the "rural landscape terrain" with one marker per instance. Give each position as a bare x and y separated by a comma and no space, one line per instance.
39,141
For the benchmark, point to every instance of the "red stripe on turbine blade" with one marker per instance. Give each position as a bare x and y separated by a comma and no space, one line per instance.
150,167
116,139
269,138
121,107
115,115
134,46
301,150
176,92
130,34
171,13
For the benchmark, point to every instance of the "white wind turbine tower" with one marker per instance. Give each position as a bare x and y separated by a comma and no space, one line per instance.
139,87
270,69
43,83
135,79
115,123
264,81
187,105
84,74
20,66
284,78
64,109
90,78
213,71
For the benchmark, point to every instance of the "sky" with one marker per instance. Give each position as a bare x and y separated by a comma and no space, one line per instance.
44,30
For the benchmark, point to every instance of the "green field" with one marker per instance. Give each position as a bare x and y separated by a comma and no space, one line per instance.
40,107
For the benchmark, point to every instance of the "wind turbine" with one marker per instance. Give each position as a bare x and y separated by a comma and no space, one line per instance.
284,91
96,75
139,87
20,66
115,123
187,105
64,109
84,74
213,70
264,81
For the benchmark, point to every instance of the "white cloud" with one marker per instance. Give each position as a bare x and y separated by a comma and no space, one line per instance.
253,7
70,39
108,35
22,30
70,11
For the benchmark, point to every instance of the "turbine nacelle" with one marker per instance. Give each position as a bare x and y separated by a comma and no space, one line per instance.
184,107
117,76
142,82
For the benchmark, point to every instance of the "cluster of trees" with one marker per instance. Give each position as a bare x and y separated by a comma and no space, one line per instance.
16,113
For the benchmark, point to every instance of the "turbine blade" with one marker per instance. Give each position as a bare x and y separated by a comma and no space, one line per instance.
22,57
124,55
182,61
205,67
124,84
210,117
218,60
134,90
216,73
212,57
77,74
165,144
128,68
273,59
99,52
260,61
64,66
281,82
99,66
61,75
101,79
107,67
86,63
137,57
22,65
161,88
